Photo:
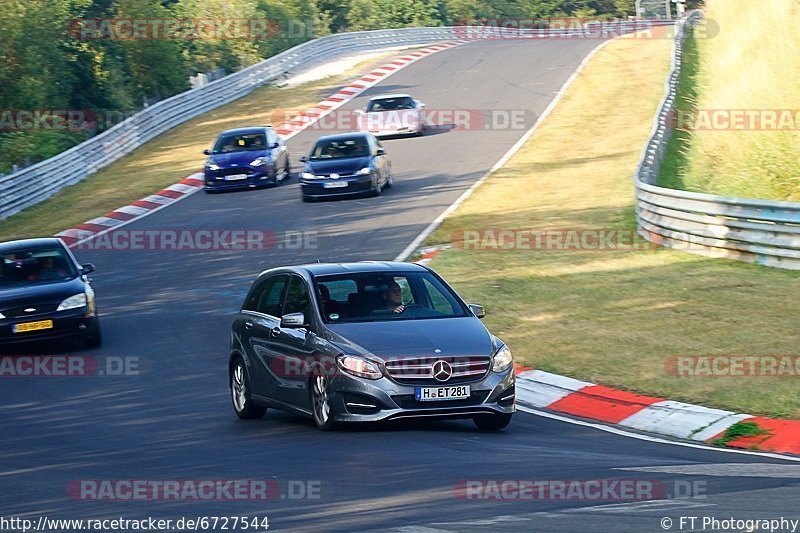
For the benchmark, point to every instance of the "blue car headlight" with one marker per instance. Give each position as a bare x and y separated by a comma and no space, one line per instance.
364,171
73,302
259,161
212,166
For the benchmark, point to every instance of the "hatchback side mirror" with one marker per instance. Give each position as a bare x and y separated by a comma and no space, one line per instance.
303,159
293,320
275,145
477,310
206,152
88,268
380,151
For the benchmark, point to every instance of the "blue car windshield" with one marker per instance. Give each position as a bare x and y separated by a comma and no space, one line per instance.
357,147
377,297
240,143
30,266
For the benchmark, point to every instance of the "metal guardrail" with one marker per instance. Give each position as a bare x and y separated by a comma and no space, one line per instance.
755,231
36,183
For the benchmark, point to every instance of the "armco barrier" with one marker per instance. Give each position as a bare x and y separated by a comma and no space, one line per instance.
38,182
756,231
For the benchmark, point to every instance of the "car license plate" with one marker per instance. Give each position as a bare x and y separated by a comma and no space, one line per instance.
334,184
429,394
234,177
32,326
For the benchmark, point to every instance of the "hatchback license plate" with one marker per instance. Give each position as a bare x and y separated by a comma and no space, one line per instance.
32,326
432,394
234,177
334,184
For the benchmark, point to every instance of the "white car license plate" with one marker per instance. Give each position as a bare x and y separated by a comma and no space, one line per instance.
234,177
334,184
429,394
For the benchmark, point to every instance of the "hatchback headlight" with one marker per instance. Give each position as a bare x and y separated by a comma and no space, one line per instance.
363,171
308,176
258,162
2,316
358,366
502,359
73,302
212,166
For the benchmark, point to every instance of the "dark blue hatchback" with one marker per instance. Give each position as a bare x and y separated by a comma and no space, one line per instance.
345,164
246,158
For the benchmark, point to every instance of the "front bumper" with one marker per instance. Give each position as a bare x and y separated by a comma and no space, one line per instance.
70,323
391,132
355,185
493,394
215,180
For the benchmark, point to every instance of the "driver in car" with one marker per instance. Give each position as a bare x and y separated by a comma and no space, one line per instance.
394,297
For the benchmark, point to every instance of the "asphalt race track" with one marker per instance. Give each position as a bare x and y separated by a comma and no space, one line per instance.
174,421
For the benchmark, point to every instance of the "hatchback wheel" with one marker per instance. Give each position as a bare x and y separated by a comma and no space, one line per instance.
321,402
492,422
240,393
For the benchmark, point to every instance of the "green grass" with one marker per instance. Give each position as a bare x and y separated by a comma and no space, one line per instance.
751,64
169,157
615,317
738,430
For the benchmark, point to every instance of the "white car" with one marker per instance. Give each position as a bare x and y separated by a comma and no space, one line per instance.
392,114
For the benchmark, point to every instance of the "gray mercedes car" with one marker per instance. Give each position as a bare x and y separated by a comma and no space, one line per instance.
366,342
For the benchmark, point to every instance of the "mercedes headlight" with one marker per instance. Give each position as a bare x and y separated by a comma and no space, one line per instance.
308,176
258,162
364,171
502,359
358,366
73,302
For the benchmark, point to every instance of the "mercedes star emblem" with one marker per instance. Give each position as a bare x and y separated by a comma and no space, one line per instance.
334,176
442,371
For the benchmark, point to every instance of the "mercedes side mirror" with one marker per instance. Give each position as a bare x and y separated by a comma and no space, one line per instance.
477,310
293,320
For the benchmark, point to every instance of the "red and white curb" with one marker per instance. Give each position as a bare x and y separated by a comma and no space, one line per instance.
129,213
561,394
313,114
191,184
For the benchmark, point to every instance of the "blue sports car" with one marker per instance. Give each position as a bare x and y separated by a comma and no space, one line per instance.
246,158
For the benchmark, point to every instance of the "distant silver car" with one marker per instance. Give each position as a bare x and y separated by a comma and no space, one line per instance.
392,114
364,342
